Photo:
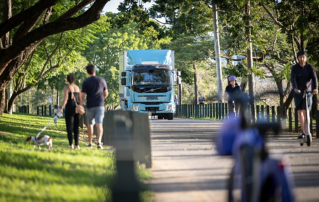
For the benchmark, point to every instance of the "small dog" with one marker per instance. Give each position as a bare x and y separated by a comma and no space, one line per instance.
43,139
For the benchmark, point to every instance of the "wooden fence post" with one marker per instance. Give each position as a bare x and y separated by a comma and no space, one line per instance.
290,119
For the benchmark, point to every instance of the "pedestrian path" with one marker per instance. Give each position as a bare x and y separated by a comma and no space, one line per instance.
187,168
185,164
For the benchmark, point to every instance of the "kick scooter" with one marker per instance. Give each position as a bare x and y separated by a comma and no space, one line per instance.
307,138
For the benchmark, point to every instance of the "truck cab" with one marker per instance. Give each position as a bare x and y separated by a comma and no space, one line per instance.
148,86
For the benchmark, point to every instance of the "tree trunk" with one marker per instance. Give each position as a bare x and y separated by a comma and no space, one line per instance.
195,85
217,55
17,93
10,94
57,99
6,101
2,101
249,51
243,84
12,99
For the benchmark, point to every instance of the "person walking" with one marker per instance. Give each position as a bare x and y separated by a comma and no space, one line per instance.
201,99
95,90
304,82
72,120
232,90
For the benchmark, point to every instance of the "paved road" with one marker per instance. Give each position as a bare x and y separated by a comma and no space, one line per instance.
187,168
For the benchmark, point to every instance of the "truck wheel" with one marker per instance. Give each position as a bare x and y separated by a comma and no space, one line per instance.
170,116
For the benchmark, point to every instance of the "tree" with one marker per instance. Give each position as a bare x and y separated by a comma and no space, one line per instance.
23,32
273,55
104,50
189,51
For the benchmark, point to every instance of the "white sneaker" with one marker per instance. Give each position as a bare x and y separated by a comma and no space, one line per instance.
72,146
99,146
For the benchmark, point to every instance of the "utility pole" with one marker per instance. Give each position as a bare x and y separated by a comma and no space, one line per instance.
179,82
217,55
249,51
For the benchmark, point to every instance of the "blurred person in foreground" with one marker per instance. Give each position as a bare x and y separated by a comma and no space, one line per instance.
95,90
304,82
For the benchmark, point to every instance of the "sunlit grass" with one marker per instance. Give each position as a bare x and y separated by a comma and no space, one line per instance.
28,174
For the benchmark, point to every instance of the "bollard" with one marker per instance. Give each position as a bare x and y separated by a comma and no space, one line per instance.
50,111
262,112
45,110
290,119
126,186
268,113
257,112
210,110
219,111
296,120
42,110
213,110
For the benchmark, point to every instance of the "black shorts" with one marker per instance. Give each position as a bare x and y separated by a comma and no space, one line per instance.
302,103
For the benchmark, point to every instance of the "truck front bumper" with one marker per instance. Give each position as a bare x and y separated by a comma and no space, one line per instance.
158,109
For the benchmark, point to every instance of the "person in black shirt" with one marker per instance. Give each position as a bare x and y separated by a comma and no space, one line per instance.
232,90
303,79
95,90
72,119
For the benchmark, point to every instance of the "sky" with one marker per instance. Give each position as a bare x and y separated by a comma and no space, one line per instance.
112,5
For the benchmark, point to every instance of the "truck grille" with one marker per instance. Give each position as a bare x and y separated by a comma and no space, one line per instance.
152,109
152,97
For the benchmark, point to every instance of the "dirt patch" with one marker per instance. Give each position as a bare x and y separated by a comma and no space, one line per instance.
6,133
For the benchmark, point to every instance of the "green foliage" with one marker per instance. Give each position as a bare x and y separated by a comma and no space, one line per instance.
103,52
190,50
28,174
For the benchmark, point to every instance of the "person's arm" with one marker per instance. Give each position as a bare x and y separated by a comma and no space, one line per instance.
66,97
314,79
294,81
226,94
106,93
83,93
82,98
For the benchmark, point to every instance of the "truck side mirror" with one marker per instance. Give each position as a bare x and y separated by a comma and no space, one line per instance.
123,81
123,74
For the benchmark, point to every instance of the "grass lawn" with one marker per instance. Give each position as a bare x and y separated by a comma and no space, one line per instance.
28,174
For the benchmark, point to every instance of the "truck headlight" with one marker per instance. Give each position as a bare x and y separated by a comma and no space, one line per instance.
135,107
169,107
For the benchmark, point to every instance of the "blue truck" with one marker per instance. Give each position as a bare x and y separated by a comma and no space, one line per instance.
147,79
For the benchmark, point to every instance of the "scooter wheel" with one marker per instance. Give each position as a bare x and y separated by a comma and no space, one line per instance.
301,144
308,141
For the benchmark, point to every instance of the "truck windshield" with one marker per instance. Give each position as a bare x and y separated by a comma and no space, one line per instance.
152,81
158,77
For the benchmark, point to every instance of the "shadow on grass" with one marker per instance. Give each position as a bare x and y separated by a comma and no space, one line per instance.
71,173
